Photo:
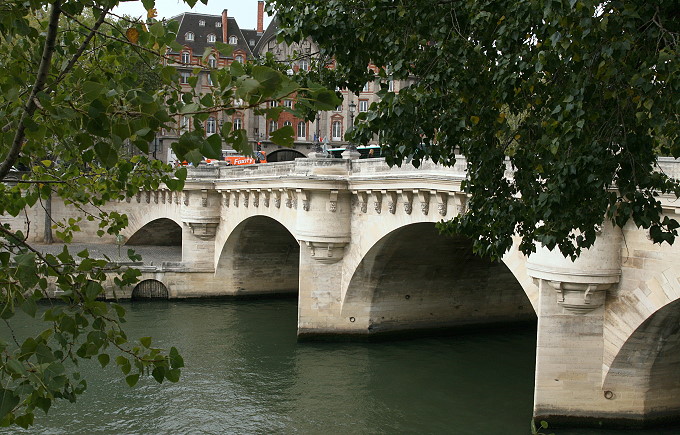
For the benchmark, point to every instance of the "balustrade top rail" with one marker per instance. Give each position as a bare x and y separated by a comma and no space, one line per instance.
345,168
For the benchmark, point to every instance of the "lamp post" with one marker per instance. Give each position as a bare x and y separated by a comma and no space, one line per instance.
351,150
317,136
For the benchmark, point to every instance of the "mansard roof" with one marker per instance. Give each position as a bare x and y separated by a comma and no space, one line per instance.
189,22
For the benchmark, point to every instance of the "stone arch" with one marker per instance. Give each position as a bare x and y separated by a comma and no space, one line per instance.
260,256
150,289
158,232
642,344
143,216
415,278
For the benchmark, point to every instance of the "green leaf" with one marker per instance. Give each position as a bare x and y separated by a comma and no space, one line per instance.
268,78
103,359
176,360
283,136
7,402
29,307
132,379
106,154
225,50
146,341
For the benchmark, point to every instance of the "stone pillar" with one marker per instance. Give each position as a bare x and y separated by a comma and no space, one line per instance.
569,344
200,214
323,230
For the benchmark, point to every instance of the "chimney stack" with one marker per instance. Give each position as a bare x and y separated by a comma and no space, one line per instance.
260,17
224,26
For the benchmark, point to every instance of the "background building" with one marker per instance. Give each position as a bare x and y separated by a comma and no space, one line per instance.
198,31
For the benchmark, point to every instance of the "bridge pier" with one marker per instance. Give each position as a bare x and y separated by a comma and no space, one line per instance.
570,346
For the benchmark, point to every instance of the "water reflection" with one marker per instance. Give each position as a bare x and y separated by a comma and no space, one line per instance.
247,374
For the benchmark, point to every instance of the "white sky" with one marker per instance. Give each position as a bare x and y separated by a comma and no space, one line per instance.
245,11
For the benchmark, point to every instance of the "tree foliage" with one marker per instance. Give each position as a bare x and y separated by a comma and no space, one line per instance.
577,98
79,86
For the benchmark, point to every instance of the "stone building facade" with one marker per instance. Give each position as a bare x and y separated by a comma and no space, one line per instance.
198,31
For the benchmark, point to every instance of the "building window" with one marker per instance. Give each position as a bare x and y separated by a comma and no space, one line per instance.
208,79
337,130
301,130
363,105
287,124
233,40
303,64
366,87
212,62
201,23
239,58
189,36
273,126
288,103
390,85
186,58
339,108
183,124
210,125
211,37
218,23
273,103
184,77
238,124
251,42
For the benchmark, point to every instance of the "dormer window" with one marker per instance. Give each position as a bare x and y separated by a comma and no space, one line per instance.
201,23
251,42
189,36
233,40
239,58
185,57
218,23
211,37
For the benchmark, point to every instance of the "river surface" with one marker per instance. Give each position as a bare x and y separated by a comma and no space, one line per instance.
247,374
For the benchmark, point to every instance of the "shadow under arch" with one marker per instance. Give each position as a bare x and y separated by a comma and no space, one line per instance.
649,362
150,289
415,278
158,232
260,257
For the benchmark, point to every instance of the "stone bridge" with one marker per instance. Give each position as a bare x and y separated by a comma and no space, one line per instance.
357,242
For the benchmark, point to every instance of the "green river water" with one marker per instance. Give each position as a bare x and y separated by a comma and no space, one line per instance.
247,374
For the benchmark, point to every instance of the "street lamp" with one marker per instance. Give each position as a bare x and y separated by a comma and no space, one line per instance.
352,108
351,150
317,137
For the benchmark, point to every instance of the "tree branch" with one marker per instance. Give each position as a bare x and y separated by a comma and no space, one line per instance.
29,108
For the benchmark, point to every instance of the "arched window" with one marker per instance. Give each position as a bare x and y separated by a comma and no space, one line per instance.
287,123
201,23
189,36
238,124
303,64
186,58
208,79
211,37
337,130
210,125
212,62
273,126
239,58
301,130
218,23
233,40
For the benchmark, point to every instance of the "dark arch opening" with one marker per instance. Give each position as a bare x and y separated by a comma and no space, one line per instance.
260,257
159,232
415,278
284,155
150,289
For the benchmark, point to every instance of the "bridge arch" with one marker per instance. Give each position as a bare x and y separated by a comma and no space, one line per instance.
158,232
642,344
260,256
150,289
413,278
147,220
